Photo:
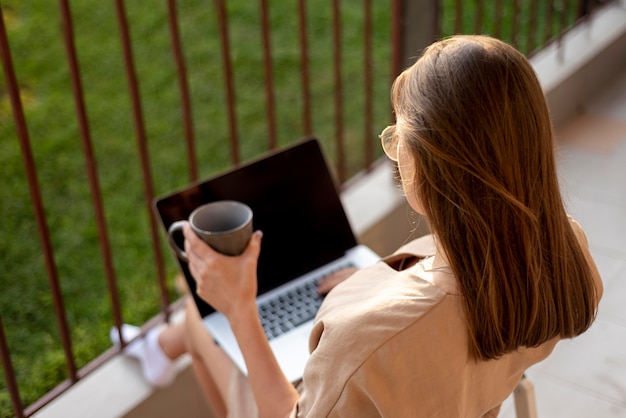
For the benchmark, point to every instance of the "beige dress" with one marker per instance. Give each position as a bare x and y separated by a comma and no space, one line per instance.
394,344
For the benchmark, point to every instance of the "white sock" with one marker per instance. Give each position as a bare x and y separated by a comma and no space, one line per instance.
128,331
157,367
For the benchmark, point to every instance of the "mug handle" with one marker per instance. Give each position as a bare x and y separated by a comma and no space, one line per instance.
176,227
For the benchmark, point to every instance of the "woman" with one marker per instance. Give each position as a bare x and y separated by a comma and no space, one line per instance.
449,323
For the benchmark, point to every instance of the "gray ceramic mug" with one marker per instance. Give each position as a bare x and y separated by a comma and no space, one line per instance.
226,225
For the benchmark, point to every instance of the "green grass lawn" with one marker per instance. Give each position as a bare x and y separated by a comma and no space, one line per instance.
39,57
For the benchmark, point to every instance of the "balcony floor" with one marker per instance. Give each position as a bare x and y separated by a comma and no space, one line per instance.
586,377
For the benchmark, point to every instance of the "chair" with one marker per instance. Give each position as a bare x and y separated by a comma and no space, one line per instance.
524,398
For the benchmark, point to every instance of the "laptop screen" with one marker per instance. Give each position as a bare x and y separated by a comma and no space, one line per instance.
295,203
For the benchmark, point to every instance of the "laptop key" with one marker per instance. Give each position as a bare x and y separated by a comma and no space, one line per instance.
287,311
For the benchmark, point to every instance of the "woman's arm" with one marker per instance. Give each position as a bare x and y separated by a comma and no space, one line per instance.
274,394
229,284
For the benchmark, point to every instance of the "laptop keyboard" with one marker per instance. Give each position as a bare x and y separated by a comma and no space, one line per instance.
292,308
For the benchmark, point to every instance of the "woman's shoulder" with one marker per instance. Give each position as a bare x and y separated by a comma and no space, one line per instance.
584,244
581,236
364,325
381,288
373,305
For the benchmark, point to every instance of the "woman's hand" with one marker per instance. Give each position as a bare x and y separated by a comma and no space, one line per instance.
329,282
229,284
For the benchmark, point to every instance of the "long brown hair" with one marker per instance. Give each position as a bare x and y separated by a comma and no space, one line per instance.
473,115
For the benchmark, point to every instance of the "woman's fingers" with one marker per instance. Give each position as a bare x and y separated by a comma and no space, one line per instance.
329,282
223,281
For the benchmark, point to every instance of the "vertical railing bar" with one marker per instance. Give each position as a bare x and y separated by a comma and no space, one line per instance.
133,86
584,11
439,18
396,39
183,87
515,23
35,194
497,31
49,396
368,80
592,9
304,70
9,374
269,78
97,362
548,24
532,27
562,26
478,18
458,16
341,160
565,17
228,78
91,164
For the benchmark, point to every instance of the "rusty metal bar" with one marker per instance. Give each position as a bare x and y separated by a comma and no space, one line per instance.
561,31
396,39
368,104
532,27
228,78
9,374
67,384
547,25
515,23
564,17
439,24
48,397
183,86
585,10
133,85
12,88
478,17
90,162
339,141
269,79
497,28
100,360
304,69
458,16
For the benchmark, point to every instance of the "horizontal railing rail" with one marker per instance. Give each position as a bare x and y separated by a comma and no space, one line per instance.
197,86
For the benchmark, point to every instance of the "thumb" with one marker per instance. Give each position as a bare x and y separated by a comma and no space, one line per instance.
254,247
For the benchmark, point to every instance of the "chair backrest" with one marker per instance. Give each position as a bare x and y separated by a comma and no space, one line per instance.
524,396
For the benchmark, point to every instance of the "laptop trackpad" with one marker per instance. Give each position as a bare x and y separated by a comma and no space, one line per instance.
290,349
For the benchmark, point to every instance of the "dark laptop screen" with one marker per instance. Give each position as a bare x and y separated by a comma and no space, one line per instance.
295,203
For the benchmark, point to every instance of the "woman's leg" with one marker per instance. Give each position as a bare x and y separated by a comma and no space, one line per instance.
172,340
157,351
211,365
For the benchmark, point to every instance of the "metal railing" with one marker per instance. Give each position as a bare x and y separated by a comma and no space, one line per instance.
529,25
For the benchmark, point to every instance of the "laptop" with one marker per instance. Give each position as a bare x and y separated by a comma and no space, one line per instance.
306,236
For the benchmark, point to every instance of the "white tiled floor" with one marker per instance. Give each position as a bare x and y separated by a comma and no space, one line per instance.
586,376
